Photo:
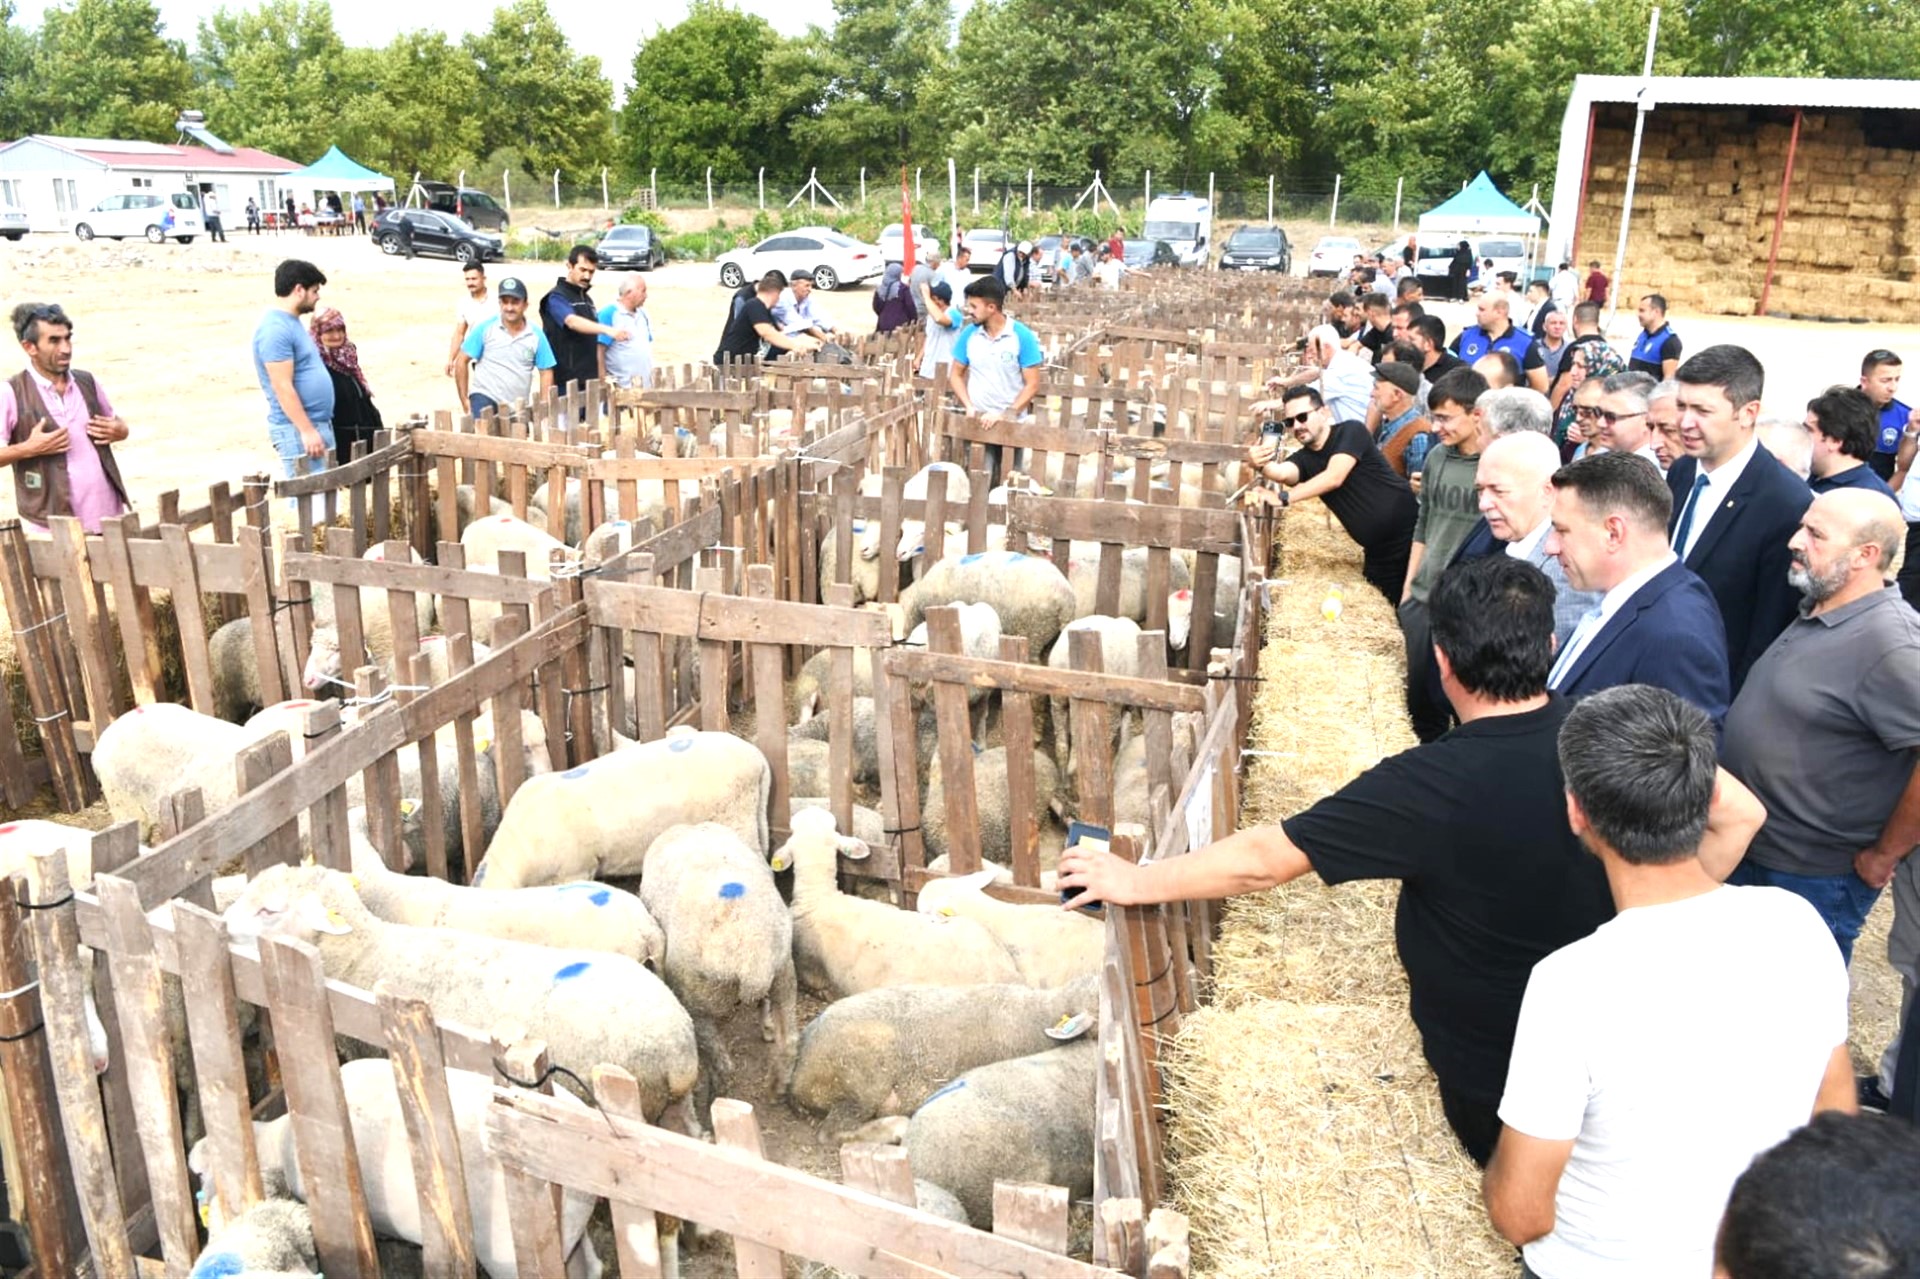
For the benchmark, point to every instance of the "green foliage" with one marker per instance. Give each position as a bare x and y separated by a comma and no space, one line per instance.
537,94
696,98
260,70
103,69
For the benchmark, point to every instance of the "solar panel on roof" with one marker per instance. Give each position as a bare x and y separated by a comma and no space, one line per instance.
205,138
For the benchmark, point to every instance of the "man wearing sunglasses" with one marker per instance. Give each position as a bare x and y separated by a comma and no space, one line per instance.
1622,425
57,428
1339,463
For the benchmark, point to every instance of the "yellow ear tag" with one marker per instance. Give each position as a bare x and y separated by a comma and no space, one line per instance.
355,881
206,1215
946,911
335,917
481,743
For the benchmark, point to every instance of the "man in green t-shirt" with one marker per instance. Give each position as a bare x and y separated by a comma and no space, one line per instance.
1449,508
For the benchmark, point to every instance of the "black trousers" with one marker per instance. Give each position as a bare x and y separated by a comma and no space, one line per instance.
1475,1123
1426,702
1386,568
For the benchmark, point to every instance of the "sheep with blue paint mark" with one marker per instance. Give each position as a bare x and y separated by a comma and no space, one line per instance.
273,1237
729,942
1051,947
1031,596
913,533
588,1007
598,820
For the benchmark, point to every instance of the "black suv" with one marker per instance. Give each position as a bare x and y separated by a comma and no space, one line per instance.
1257,248
437,235
479,209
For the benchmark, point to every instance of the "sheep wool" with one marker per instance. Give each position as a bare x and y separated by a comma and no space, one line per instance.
1051,947
1031,596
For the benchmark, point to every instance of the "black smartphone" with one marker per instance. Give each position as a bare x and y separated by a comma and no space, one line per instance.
1098,837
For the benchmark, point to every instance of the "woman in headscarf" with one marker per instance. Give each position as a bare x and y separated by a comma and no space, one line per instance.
355,418
891,301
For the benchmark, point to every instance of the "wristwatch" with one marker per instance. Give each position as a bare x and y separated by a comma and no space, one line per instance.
1285,493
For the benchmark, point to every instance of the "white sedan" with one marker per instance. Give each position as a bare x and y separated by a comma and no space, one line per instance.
834,259
1333,255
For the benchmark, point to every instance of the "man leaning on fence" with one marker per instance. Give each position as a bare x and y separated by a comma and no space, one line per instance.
57,428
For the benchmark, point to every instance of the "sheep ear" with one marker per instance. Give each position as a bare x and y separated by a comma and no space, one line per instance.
782,857
976,882
852,849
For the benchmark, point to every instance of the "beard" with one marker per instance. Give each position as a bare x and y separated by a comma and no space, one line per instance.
1817,588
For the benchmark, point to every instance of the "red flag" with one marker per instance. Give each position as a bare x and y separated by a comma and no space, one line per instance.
906,225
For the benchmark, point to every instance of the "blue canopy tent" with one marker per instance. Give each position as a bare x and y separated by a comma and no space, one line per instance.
1480,209
335,171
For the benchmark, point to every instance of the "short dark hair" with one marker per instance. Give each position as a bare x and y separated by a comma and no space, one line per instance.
296,274
1293,393
1586,313
1408,287
1642,764
1493,618
475,265
29,316
1340,298
1731,368
1403,352
1430,327
1616,481
773,280
1460,386
1835,1199
582,253
1538,284
990,290
1658,302
1846,415
1412,310
1878,356
1375,302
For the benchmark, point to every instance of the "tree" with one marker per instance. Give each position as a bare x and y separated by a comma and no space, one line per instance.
699,96
412,108
103,69
538,95
17,114
270,76
871,81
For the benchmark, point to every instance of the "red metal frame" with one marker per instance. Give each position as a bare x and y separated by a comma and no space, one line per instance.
1780,213
1586,172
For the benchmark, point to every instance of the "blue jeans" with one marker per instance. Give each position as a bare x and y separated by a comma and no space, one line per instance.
478,404
292,453
1842,900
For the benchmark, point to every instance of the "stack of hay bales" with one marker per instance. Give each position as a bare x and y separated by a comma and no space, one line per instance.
1306,1134
1704,204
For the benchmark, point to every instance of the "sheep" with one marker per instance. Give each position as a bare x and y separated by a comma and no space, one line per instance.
992,802
1032,597
1025,1119
1083,570
885,1051
155,749
930,1198
809,685
868,826
236,670
729,941
1226,594
273,1237
1051,947
864,573
325,665
483,541
386,1167
578,916
587,1006
979,637
1119,655
913,533
809,765
463,507
651,498
846,945
866,750
599,819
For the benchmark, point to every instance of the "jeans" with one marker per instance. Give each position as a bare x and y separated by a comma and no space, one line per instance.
1842,900
478,404
294,461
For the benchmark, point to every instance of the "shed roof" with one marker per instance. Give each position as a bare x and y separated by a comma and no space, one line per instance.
125,153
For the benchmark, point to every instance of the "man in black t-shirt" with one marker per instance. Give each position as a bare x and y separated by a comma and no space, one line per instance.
752,332
1474,825
1340,464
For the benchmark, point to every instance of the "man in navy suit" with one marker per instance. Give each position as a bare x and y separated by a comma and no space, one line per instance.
1734,505
1656,622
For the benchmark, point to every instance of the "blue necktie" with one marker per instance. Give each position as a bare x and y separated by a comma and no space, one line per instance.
1686,516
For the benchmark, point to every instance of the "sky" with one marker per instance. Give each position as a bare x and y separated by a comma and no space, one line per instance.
609,29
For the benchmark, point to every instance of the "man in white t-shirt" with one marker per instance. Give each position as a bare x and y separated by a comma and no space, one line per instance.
477,307
1611,1163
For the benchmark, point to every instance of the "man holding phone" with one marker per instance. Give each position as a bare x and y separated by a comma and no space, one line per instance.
57,428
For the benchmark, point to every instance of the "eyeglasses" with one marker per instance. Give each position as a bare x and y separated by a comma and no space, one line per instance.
1611,418
1586,410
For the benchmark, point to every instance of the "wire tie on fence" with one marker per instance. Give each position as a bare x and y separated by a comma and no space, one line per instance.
1246,751
1244,679
282,606
500,1069
900,830
18,991
586,692
34,1029
1157,978
61,616
1172,1008
55,905
48,719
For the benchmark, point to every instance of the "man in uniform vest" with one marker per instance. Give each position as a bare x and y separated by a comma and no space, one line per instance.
57,428
572,322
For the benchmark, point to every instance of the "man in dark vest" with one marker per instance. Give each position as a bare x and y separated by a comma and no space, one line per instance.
571,321
57,428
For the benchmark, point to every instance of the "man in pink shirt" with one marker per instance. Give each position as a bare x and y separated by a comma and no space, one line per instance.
57,428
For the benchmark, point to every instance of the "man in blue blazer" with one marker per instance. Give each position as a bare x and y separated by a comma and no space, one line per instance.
1656,622
1735,506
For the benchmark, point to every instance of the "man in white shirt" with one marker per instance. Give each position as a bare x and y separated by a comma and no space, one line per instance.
475,309
1624,426
1344,380
1609,1166
628,362
1656,622
1564,288
796,311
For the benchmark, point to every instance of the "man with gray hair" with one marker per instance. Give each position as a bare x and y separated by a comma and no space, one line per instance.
1622,426
1607,1165
1344,380
926,269
1515,488
1663,419
1514,409
628,361
1789,441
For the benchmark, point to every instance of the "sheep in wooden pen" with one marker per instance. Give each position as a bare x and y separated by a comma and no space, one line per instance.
1119,655
588,1007
326,665
1083,570
483,542
845,944
1031,595
885,1051
599,819
993,802
1050,947
273,1237
153,750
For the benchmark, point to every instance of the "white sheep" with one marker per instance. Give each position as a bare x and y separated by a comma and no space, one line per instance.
866,750
1031,596
273,1237
236,670
844,944
979,638
1025,1119
993,802
1119,655
1051,947
161,747
1083,570
885,1051
386,1167
587,1006
913,532
729,941
578,916
597,820
325,664
483,541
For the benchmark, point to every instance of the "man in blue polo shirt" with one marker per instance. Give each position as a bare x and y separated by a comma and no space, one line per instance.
1496,332
996,362
1880,379
1656,351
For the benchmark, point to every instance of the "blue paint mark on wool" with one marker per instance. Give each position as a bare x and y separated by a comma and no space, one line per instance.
574,774
218,1265
572,970
731,890
681,743
953,1087
601,897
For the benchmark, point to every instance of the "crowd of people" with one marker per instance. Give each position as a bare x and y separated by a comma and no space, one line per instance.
1663,659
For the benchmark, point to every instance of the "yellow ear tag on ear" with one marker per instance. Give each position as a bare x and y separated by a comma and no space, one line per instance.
335,917
406,807
481,743
946,911
206,1215
306,859
355,881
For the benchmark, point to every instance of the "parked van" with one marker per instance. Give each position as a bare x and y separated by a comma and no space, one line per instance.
1184,221
157,215
478,209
